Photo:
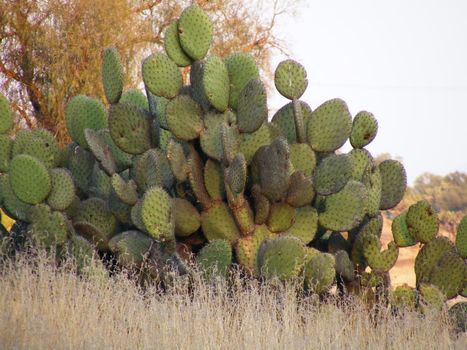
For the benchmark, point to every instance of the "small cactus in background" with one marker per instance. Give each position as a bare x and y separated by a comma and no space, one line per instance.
196,174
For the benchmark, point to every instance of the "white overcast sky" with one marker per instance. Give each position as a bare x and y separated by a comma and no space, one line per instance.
404,61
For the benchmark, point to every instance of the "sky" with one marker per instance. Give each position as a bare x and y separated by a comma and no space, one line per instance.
404,61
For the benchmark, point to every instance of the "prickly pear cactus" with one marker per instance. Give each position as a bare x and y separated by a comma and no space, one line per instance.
192,170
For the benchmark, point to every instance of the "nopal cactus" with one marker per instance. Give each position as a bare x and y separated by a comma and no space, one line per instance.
194,166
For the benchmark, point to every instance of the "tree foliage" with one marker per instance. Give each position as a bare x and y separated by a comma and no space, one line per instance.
51,50
444,192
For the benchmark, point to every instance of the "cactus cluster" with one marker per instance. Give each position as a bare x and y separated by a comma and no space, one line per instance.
440,266
193,172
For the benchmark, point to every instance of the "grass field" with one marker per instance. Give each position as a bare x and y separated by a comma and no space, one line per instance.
42,307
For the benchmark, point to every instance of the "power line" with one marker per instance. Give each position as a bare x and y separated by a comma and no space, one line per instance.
392,87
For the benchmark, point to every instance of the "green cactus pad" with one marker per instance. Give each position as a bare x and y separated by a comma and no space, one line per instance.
236,174
157,215
379,261
87,260
403,297
162,76
101,150
372,181
303,158
177,160
6,116
393,183
195,32
309,253
282,258
62,193
125,191
48,228
241,211
329,126
95,222
29,179
120,210
218,223
6,146
211,136
242,68
129,128
43,146
136,218
448,274
81,164
230,141
160,110
214,180
122,159
290,79
400,232
364,129
422,222
300,128
172,46
281,217
186,217
429,256
360,159
262,205
197,89
165,137
216,83
112,75
215,259
461,238
252,109
431,298
273,166
300,191
305,225
284,119
247,249
250,143
100,185
320,272
344,266
135,97
373,226
196,178
20,141
81,113
299,121
131,247
332,174
345,209
184,117
15,208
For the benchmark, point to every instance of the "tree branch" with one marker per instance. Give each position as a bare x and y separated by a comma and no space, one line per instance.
146,6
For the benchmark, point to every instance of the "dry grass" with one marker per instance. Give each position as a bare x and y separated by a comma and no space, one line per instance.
42,307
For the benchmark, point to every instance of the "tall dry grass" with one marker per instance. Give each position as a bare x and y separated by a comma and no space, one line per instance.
44,307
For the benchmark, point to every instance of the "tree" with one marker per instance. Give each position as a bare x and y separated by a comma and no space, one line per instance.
447,193
50,50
